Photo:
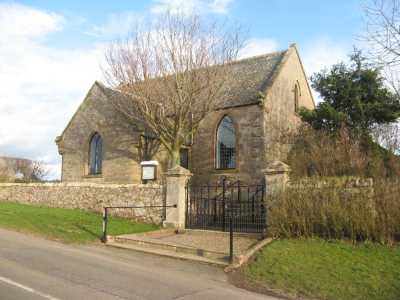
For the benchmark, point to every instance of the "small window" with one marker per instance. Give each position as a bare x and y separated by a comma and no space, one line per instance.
184,158
296,97
226,144
95,154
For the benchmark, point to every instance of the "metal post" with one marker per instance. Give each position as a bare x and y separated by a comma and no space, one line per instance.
231,236
239,219
239,192
209,208
201,204
215,205
253,217
264,212
105,221
223,203
187,221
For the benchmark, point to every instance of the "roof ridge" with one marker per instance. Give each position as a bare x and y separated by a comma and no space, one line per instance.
13,158
238,61
278,52
106,88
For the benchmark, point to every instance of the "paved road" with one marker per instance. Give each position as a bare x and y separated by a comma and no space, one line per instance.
35,269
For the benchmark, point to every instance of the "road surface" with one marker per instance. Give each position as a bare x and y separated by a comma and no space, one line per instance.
32,268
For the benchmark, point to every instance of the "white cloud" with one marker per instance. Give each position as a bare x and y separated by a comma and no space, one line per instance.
117,25
40,86
322,54
21,21
258,46
220,6
188,7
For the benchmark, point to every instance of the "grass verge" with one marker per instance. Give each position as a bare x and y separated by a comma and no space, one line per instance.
67,225
327,270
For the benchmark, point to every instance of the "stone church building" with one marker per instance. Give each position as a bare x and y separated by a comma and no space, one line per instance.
261,101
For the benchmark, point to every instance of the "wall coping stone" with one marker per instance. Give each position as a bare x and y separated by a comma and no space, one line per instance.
82,184
276,167
334,181
178,171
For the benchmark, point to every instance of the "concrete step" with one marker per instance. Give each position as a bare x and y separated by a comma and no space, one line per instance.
147,248
152,244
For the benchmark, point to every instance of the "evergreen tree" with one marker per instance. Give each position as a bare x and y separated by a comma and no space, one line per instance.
354,96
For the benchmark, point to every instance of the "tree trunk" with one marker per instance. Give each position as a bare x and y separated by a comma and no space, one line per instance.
175,158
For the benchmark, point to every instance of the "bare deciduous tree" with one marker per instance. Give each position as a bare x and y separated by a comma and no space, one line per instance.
382,18
29,171
383,31
39,171
383,36
388,135
4,175
173,72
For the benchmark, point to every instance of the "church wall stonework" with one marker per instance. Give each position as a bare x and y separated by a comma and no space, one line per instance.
279,106
260,129
248,122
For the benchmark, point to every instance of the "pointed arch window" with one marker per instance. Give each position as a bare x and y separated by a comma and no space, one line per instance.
95,154
226,144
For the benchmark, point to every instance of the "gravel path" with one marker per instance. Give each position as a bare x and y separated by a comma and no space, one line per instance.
208,240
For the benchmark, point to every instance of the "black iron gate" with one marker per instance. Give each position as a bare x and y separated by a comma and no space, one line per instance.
211,206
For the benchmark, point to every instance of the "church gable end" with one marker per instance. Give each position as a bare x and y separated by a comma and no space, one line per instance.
288,92
97,115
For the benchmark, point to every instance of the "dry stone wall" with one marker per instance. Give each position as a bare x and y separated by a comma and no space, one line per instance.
90,196
345,184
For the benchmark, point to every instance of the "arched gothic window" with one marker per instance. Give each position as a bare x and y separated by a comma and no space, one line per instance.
95,154
226,144
297,95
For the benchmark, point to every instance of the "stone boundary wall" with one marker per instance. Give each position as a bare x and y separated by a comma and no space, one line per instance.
277,179
345,182
346,188
90,196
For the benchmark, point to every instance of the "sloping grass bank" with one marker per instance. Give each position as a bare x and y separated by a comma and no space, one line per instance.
328,269
67,225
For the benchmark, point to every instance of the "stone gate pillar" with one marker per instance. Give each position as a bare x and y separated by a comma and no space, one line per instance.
276,177
176,179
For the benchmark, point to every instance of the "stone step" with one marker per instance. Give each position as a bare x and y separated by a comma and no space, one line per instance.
257,236
168,253
158,245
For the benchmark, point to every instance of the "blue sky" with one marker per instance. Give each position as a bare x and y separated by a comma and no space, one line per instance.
51,51
286,21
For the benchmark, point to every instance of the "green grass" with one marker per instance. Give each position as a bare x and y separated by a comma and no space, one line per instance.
67,225
329,270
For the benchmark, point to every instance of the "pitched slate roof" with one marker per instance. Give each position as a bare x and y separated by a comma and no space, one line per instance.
245,80
248,78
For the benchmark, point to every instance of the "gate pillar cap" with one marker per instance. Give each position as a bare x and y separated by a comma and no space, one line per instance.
178,171
276,167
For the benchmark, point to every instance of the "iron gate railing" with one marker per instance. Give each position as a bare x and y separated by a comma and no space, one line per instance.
107,208
211,206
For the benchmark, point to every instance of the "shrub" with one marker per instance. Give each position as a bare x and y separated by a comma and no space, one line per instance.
318,153
330,211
